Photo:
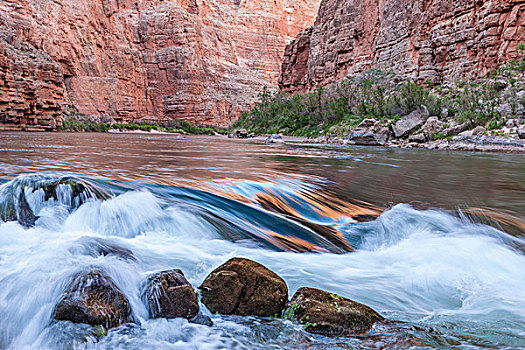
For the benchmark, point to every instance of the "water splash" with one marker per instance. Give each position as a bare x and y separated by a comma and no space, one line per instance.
456,282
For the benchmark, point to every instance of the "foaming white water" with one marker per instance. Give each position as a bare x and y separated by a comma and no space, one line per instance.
135,213
418,266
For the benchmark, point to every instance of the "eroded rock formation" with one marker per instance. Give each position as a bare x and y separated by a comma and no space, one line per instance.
422,39
31,86
202,61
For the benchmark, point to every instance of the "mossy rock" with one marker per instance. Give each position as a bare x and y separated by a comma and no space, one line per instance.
329,314
169,295
244,287
93,298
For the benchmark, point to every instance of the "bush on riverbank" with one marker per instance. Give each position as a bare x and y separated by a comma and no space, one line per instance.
77,122
383,96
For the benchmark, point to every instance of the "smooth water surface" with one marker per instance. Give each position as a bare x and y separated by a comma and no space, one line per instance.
433,239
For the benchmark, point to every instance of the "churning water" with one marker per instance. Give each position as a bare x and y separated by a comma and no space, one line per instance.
432,240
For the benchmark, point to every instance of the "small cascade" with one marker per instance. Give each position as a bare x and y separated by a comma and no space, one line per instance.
23,198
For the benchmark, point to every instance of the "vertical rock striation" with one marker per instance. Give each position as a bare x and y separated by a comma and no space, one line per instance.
202,61
31,86
423,39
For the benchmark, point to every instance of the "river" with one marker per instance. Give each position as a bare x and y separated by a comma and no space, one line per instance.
433,239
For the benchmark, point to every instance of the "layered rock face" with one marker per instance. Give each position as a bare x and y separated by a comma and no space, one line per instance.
31,86
203,61
422,39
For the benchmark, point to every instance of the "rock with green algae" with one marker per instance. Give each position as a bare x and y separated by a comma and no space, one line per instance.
169,295
93,298
329,314
244,287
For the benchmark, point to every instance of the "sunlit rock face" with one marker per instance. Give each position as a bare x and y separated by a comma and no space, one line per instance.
203,61
31,86
423,39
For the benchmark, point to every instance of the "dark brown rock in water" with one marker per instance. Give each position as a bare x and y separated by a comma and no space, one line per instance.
94,299
168,294
329,314
202,320
244,287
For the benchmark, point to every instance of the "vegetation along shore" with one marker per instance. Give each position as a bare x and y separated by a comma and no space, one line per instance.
381,109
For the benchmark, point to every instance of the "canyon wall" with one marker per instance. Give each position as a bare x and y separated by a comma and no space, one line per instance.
432,40
202,61
31,86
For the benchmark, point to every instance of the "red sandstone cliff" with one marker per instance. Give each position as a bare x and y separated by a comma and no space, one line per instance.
421,39
31,86
202,61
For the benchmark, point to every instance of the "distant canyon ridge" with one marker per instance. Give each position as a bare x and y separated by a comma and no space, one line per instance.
425,40
206,61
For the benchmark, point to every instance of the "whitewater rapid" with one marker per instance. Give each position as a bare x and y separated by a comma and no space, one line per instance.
460,281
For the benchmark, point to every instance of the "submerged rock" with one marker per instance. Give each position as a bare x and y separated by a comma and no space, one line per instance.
329,314
93,298
22,198
94,246
169,295
202,320
244,287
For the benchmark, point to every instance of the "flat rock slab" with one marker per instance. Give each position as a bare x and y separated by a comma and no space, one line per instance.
410,123
244,287
329,314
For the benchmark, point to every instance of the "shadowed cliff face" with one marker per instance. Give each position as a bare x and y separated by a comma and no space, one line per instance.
203,61
423,39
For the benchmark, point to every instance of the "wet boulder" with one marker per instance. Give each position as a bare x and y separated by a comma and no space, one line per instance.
329,314
244,287
94,246
93,298
77,190
202,319
22,198
169,295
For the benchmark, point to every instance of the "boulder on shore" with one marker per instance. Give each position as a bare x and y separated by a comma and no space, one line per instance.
93,298
239,134
369,132
169,295
410,123
244,287
432,126
329,314
521,131
274,138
